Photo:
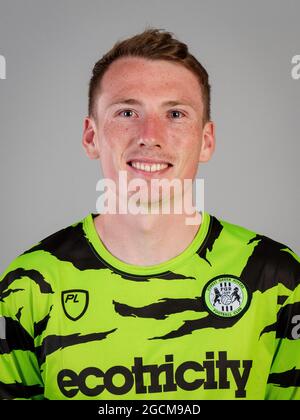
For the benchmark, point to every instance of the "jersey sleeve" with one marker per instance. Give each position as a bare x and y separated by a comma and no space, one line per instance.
21,291
284,378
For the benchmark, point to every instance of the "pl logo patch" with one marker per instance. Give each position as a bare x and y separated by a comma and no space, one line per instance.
226,296
74,303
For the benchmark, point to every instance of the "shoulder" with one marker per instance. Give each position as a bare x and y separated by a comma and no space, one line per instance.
273,261
62,245
68,247
240,234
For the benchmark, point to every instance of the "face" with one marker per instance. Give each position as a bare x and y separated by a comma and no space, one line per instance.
149,122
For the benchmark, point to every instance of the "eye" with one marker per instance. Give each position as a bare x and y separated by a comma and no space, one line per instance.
175,114
127,113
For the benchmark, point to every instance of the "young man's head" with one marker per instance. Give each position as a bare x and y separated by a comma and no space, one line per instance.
149,109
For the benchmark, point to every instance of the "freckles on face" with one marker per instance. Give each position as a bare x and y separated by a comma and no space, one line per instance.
151,84
181,141
188,137
115,139
116,136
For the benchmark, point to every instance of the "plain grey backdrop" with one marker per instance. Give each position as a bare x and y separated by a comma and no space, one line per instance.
50,47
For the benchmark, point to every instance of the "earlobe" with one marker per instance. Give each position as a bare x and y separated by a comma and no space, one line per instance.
208,142
89,138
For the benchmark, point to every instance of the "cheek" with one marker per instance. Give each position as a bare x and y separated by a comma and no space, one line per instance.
114,133
113,140
188,139
188,132
189,145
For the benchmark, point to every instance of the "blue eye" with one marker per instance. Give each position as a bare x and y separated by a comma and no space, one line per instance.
176,114
126,113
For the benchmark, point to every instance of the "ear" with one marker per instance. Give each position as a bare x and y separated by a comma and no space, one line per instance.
89,138
208,142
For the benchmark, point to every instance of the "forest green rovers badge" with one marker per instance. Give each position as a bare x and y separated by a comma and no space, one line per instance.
226,296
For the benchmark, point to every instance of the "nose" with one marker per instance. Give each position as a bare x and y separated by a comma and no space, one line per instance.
152,132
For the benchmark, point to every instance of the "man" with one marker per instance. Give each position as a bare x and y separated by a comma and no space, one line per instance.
145,305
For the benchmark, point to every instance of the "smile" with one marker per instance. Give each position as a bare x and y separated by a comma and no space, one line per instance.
149,167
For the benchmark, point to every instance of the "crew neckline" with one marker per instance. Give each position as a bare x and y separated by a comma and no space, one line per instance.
107,257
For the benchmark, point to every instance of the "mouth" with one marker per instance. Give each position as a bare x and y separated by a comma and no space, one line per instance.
146,167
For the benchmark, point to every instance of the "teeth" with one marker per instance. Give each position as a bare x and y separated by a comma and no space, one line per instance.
149,168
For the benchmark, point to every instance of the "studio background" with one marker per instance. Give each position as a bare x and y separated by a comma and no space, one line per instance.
50,47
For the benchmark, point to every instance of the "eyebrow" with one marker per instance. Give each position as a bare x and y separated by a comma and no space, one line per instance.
132,101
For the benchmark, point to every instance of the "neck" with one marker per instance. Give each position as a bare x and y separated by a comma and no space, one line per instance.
146,239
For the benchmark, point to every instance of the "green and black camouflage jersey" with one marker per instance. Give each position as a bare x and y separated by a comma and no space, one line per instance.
219,321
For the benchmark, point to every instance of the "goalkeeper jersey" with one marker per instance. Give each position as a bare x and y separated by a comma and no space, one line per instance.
219,321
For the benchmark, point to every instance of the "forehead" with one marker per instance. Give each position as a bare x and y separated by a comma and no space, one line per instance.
138,77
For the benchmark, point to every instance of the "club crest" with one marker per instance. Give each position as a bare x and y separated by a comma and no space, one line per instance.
226,296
